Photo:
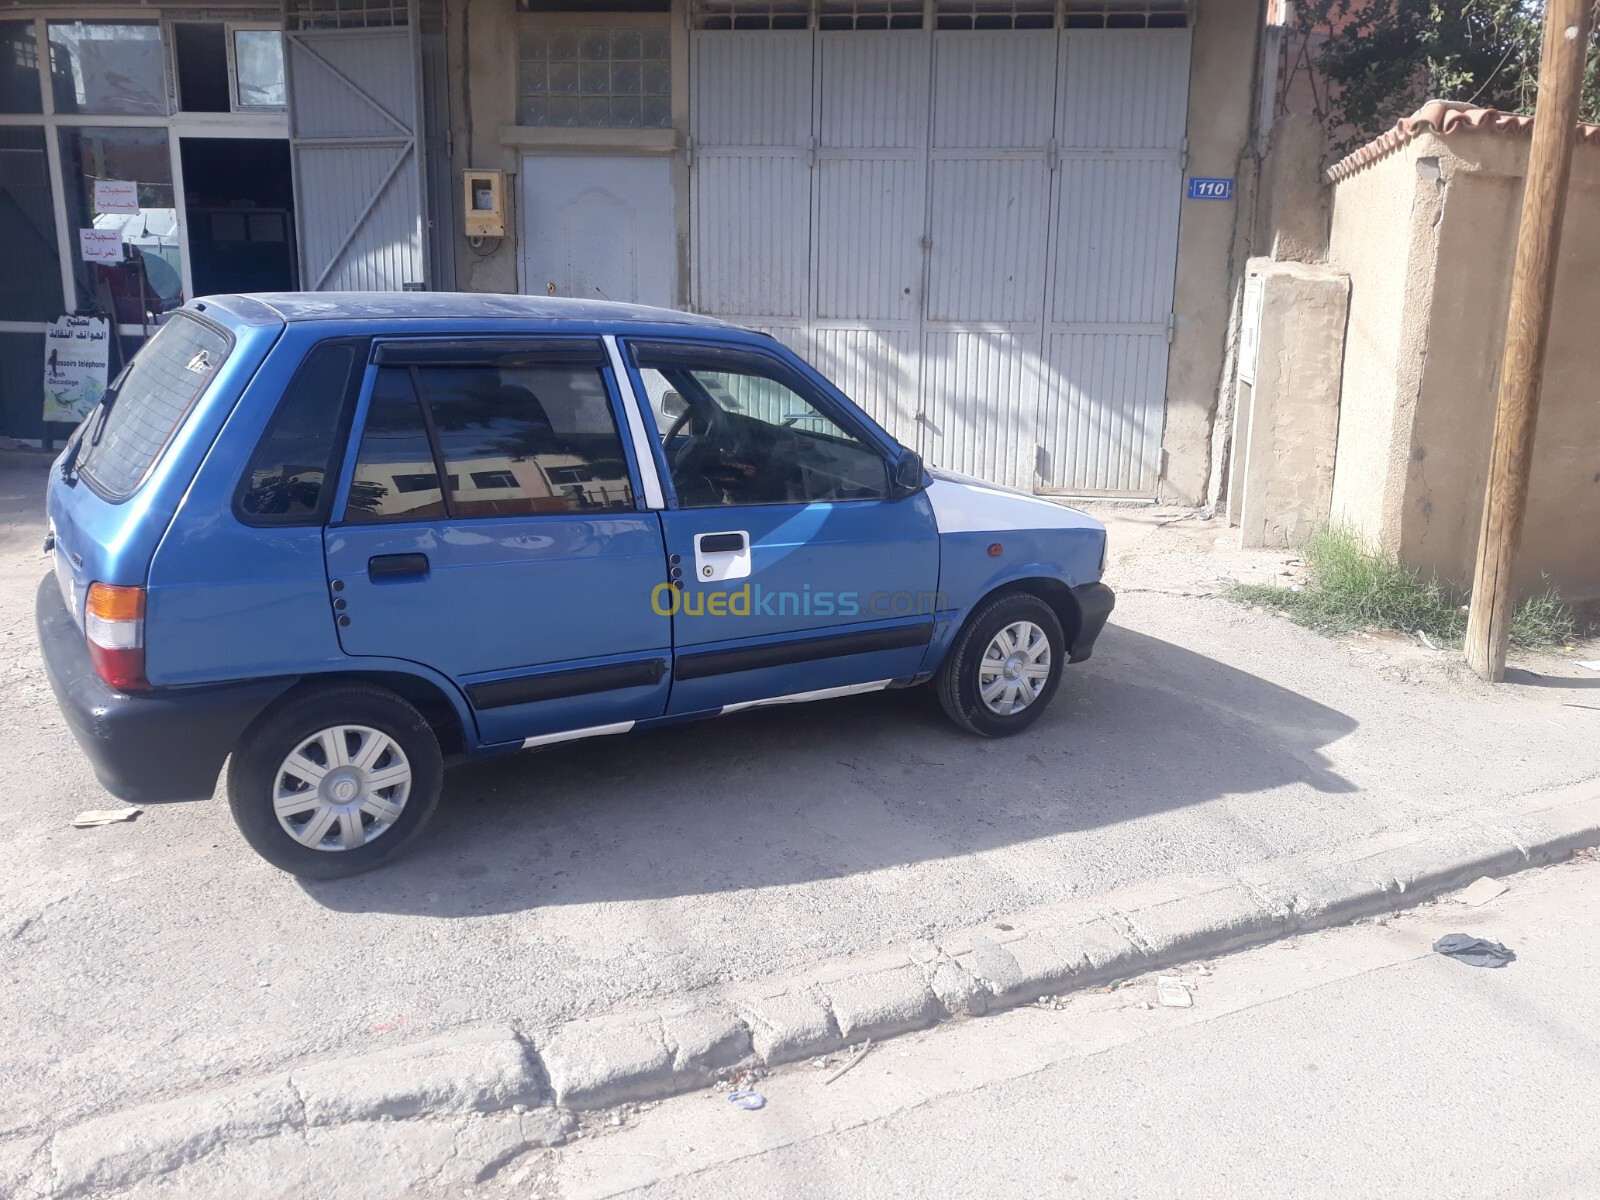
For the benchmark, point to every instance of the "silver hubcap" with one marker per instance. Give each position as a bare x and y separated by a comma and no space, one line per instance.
342,788
1014,668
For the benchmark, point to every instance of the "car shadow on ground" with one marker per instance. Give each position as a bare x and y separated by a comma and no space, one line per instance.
818,791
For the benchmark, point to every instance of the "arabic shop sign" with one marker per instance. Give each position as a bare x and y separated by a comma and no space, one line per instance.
76,355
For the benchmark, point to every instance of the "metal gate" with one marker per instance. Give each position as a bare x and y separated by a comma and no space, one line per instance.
973,232
355,126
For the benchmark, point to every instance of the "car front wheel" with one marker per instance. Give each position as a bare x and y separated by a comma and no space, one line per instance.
335,780
1004,667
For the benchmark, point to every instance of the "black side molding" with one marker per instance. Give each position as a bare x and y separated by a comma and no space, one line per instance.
782,654
521,352
525,689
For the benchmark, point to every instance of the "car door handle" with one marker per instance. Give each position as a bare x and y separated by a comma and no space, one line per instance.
397,566
723,555
721,543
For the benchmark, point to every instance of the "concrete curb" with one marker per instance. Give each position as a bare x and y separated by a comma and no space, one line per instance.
470,1071
644,1055
602,1061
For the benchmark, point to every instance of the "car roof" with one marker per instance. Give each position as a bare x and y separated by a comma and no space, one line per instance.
265,307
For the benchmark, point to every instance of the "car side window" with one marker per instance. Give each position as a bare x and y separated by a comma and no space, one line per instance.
396,477
736,431
513,439
519,439
290,477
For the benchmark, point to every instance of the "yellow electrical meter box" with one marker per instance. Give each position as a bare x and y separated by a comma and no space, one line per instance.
485,205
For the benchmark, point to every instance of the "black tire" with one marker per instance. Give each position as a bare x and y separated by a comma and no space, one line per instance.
262,751
957,681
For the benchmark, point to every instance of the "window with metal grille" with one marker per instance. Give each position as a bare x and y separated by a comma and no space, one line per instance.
947,14
344,14
995,14
1126,14
869,14
753,14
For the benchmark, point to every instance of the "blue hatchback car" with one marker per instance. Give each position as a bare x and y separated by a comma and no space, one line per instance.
341,540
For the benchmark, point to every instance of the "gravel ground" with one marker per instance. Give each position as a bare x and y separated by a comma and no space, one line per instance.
145,959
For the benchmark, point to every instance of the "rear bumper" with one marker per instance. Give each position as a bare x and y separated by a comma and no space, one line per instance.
168,744
1095,602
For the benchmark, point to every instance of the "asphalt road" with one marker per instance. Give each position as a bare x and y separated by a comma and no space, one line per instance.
141,960
1355,1063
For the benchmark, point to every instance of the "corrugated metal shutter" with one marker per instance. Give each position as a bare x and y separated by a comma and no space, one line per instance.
990,275
871,195
1122,104
750,199
988,215
354,117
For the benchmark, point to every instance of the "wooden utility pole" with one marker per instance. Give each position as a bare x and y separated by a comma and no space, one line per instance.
1544,201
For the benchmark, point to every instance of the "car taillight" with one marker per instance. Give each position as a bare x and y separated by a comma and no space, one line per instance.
113,622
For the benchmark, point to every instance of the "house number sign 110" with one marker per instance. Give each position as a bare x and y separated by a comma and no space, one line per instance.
1210,189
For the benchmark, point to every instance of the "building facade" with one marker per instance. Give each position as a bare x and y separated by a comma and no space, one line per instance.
980,217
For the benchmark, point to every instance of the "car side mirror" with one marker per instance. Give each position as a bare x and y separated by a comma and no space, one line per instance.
673,405
906,475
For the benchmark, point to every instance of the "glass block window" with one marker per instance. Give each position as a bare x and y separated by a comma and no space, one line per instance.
619,77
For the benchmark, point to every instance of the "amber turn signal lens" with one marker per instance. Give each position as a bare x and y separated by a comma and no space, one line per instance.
112,603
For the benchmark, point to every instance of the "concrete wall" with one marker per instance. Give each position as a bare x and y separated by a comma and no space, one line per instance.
1287,437
1381,237
1413,454
1213,238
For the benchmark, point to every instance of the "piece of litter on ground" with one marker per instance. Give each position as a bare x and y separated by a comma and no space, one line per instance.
1474,951
1171,992
747,1100
1424,640
1592,664
1481,892
94,817
854,1059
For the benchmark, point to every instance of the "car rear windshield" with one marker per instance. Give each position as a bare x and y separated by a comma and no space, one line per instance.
123,437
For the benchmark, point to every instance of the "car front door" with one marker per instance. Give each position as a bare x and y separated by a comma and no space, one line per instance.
797,570
491,530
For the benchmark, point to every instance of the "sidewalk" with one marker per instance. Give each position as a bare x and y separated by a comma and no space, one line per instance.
1203,751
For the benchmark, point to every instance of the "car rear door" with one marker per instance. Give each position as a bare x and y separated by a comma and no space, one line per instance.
490,528
796,569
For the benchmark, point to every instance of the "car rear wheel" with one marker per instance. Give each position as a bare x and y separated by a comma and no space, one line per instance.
335,780
1004,667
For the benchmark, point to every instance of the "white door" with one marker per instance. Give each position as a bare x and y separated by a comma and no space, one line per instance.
1122,97
598,228
989,209
750,180
870,201
354,116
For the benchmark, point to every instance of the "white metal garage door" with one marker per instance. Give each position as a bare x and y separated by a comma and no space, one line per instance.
973,232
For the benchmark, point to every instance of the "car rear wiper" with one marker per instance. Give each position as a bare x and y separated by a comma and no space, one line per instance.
69,464
106,403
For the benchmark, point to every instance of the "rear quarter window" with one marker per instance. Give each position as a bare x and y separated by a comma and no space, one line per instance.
291,474
154,396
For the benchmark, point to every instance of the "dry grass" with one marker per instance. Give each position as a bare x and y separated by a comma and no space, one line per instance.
1349,586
